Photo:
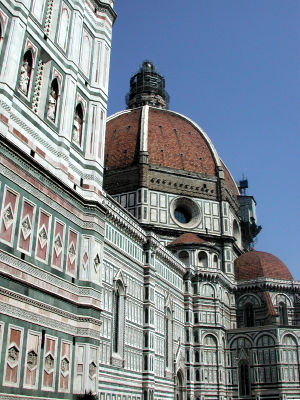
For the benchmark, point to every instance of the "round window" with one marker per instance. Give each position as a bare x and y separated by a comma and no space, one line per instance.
185,212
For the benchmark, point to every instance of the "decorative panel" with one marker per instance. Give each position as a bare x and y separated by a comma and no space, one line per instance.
31,368
65,366
8,216
58,244
63,30
26,227
92,369
13,357
43,235
86,50
95,275
79,368
72,252
153,215
85,258
49,364
37,9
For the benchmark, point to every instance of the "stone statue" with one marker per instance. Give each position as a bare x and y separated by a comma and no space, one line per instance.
51,113
77,126
25,77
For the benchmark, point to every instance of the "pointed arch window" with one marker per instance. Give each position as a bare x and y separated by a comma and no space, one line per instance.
52,100
169,338
78,124
118,318
26,72
244,378
283,315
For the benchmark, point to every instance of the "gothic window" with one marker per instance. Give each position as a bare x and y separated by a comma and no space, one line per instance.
283,315
118,318
26,72
208,291
210,358
77,125
249,315
244,378
202,259
168,337
52,100
197,358
197,375
289,359
266,359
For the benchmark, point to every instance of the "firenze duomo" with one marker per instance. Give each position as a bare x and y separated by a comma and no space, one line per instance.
127,264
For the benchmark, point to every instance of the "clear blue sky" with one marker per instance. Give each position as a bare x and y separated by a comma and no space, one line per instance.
233,66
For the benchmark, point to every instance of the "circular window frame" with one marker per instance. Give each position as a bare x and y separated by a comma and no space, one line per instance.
193,209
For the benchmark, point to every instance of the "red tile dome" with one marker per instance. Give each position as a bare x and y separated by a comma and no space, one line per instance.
186,239
172,141
256,264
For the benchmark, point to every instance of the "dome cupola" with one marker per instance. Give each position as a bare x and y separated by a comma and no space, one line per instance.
147,87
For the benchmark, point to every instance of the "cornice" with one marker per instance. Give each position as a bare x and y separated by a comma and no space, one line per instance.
268,284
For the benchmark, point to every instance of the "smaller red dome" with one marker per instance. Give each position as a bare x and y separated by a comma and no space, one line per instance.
256,264
187,238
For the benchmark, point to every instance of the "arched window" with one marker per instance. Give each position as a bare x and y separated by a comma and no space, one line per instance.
184,257
244,378
179,385
266,359
208,291
118,318
197,358
26,72
52,100
210,358
197,375
202,259
77,125
249,315
289,359
283,315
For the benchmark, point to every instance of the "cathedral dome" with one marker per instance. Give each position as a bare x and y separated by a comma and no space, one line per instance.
257,264
169,140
